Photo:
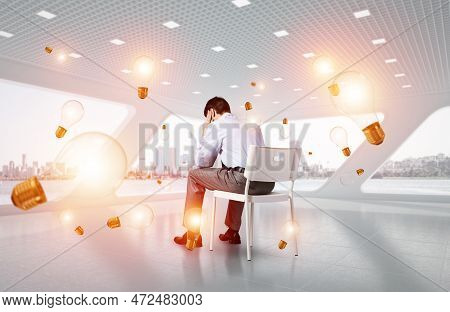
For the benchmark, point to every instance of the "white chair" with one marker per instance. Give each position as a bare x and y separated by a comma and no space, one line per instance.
264,164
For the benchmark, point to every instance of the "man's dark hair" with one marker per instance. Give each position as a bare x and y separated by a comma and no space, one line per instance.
220,105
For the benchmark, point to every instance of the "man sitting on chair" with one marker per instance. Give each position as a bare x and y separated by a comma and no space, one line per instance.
225,136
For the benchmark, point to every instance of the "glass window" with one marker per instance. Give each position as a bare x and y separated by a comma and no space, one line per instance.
422,163
28,120
320,156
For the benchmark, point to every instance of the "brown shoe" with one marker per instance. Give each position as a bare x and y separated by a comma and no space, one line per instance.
231,237
182,240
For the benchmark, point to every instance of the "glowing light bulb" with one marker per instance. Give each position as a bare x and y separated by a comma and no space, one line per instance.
139,217
71,112
338,136
193,221
61,57
324,67
143,69
94,166
290,229
352,94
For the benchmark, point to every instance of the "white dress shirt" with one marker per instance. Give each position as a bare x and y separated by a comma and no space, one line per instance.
229,138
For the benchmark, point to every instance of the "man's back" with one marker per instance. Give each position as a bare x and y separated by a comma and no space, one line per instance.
229,138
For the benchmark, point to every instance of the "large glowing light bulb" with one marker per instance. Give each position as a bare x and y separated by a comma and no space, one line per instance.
338,136
143,69
93,165
71,112
352,94
324,67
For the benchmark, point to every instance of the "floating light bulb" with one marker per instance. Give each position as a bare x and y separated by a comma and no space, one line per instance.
69,219
360,171
352,94
193,223
323,67
285,121
71,112
139,217
143,69
48,50
95,166
338,136
248,106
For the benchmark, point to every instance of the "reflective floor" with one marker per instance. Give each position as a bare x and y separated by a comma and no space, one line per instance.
383,246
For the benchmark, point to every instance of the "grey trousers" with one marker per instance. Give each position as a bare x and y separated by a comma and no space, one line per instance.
222,179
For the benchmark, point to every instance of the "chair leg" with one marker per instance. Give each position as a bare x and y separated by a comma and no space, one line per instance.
213,222
247,230
291,201
252,218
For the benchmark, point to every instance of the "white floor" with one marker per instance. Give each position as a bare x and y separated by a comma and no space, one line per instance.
390,247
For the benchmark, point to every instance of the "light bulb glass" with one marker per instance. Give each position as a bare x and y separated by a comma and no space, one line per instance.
353,95
290,229
71,112
143,69
95,165
324,67
139,217
338,136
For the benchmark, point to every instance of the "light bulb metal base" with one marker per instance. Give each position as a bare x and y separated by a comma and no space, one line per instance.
248,106
374,133
285,121
79,230
346,151
48,50
142,92
282,244
192,238
360,171
60,132
28,194
113,222
334,89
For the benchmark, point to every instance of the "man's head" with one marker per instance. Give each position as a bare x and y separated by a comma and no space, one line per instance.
219,105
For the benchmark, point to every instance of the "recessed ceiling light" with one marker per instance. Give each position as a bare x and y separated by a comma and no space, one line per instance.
257,94
308,55
361,14
252,66
399,75
6,34
205,75
276,102
297,89
281,33
126,71
378,41
166,83
46,14
390,61
313,98
406,86
218,49
167,61
171,24
75,55
196,92
117,42
240,3
277,79
234,86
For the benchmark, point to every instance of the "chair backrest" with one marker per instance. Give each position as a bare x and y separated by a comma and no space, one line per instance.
268,164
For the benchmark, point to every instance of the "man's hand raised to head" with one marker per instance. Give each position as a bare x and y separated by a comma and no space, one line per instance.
210,116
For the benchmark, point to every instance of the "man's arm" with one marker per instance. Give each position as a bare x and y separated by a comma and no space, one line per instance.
209,147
